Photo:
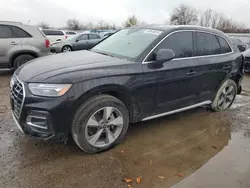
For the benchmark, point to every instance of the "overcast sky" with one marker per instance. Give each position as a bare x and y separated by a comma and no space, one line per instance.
56,12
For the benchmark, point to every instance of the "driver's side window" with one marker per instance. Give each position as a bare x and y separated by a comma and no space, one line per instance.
180,42
82,37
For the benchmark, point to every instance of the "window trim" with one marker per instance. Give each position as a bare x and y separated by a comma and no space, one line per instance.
194,57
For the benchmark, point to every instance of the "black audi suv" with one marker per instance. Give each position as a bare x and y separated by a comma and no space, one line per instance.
137,74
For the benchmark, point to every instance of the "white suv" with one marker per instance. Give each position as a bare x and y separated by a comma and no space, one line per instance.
54,35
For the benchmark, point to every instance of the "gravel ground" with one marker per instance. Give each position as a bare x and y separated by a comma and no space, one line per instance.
193,148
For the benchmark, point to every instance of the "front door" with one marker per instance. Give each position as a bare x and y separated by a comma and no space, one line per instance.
176,81
93,40
82,42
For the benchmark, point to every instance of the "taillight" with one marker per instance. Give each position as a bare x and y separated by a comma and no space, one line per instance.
47,43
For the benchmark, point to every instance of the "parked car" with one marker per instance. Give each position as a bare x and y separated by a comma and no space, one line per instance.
247,60
137,74
108,34
241,45
20,43
81,41
70,33
54,35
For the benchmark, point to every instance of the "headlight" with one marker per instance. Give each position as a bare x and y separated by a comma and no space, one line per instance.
49,90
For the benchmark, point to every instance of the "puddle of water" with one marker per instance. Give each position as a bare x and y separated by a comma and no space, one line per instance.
229,168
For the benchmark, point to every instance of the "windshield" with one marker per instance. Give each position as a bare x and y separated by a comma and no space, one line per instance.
128,43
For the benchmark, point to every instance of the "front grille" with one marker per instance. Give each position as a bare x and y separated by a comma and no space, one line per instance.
17,95
247,59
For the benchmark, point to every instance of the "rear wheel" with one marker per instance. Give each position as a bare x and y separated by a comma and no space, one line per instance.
100,123
66,49
22,59
225,96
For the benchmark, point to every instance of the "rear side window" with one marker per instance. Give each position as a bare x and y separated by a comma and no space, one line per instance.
206,44
6,32
70,33
20,33
94,37
181,43
225,48
52,32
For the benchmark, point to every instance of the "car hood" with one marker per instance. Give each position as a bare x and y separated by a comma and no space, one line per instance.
50,68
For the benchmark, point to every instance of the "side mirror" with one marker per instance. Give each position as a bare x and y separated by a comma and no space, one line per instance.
164,55
241,48
77,40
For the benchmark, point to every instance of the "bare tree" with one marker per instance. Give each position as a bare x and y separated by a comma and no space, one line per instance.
74,24
132,20
43,25
211,18
206,18
214,20
184,15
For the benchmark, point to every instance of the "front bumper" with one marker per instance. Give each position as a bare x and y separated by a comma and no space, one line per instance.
45,117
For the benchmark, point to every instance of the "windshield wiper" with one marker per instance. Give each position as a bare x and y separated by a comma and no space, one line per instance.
103,53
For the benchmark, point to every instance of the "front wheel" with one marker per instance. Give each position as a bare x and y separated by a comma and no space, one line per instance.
100,123
225,96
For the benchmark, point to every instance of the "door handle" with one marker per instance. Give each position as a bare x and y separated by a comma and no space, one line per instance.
191,73
226,67
13,43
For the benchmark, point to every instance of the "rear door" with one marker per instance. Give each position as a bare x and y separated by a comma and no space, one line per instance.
9,41
215,58
93,40
175,82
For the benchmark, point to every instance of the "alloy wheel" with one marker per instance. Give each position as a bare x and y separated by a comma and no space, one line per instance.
66,49
226,97
104,127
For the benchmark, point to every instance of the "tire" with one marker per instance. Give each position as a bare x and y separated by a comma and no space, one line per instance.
224,99
93,109
22,59
66,48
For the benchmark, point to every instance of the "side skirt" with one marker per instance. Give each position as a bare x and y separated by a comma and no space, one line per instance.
178,110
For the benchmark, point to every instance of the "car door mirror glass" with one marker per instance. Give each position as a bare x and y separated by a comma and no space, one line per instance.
164,55
241,48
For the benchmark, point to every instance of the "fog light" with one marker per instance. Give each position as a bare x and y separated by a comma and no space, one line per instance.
38,121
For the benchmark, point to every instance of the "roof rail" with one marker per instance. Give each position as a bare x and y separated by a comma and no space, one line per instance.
10,22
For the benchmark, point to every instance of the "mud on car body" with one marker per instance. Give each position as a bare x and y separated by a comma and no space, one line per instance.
137,74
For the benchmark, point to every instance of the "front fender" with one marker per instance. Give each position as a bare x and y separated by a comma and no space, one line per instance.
125,86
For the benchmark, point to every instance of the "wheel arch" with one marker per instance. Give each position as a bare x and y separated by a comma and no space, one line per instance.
69,45
118,91
25,52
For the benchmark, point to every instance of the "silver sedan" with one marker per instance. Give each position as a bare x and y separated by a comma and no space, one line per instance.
83,41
